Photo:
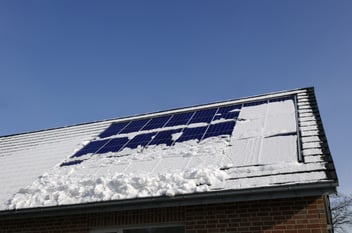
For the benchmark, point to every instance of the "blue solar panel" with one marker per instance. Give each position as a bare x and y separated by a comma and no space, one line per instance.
203,116
180,119
91,147
228,112
160,135
140,140
164,137
134,126
156,123
224,128
113,146
192,133
114,129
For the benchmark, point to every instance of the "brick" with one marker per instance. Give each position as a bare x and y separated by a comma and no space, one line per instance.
291,215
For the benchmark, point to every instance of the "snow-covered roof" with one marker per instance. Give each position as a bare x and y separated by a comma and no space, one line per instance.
268,142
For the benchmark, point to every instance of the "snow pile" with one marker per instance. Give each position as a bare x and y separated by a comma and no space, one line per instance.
51,189
161,170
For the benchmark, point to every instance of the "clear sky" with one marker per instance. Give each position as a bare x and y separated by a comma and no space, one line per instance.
68,62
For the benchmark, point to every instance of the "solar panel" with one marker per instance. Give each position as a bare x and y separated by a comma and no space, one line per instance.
114,145
91,147
113,129
183,128
140,140
164,137
157,122
228,112
192,134
224,128
134,126
180,119
203,116
167,129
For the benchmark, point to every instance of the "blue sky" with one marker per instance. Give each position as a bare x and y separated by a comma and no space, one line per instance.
68,62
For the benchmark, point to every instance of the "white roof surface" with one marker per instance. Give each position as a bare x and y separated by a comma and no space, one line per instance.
262,151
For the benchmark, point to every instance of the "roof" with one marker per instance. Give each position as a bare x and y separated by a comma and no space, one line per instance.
259,147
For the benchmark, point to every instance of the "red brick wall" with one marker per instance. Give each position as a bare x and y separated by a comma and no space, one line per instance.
305,215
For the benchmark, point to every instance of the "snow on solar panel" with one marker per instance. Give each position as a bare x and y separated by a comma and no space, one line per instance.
140,140
167,129
164,137
228,112
173,153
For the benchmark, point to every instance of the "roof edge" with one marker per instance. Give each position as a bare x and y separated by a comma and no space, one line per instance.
310,100
215,197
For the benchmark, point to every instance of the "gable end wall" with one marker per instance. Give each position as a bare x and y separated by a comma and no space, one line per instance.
294,215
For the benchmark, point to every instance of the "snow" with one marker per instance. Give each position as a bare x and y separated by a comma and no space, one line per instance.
257,140
29,155
267,181
261,152
55,189
156,171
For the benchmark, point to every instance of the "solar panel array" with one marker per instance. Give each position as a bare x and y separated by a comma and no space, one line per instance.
165,129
